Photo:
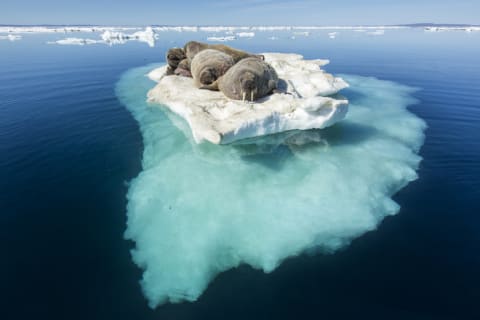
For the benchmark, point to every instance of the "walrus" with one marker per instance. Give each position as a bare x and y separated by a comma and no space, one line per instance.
192,48
174,56
208,65
249,79
183,69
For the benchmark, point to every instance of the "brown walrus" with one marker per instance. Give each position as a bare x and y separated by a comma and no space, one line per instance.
183,69
191,48
179,60
174,56
208,65
249,79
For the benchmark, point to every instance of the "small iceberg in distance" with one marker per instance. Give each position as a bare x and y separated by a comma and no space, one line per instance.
196,210
11,37
221,39
112,37
246,34
380,32
148,36
75,41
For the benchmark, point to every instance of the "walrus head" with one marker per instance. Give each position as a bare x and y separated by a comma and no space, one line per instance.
208,76
174,56
248,86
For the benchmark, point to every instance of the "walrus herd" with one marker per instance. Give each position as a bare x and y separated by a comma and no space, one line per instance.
237,74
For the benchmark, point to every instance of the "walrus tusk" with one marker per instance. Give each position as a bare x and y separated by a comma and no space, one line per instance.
243,96
251,95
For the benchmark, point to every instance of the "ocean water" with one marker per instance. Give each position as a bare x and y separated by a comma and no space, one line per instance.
72,150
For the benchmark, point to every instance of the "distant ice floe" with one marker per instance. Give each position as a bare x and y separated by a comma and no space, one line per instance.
229,29
440,29
332,35
11,37
222,39
148,36
248,29
76,41
377,33
246,34
114,37
302,33
62,29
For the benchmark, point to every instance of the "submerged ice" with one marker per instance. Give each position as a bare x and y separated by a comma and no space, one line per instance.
197,210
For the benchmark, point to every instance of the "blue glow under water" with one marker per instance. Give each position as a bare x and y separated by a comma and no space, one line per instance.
69,148
197,210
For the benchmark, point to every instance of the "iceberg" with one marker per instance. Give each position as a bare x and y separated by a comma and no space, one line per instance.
305,103
196,210
217,29
75,41
440,29
380,32
301,33
246,34
148,36
111,37
11,37
221,39
61,29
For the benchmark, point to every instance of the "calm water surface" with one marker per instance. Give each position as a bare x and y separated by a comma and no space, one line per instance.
68,149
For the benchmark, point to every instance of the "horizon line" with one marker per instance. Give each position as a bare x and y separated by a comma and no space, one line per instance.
419,24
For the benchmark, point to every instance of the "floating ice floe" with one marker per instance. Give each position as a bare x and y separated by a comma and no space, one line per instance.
440,29
377,33
62,29
305,103
113,37
232,29
222,39
246,34
301,33
76,41
148,36
332,35
11,37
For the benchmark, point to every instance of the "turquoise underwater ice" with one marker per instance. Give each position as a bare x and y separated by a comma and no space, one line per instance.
197,210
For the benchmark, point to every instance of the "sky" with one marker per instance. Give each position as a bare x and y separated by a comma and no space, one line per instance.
239,12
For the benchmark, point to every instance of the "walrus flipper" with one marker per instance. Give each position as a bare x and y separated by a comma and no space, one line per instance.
212,86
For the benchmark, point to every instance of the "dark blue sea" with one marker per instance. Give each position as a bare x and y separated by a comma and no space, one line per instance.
70,148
